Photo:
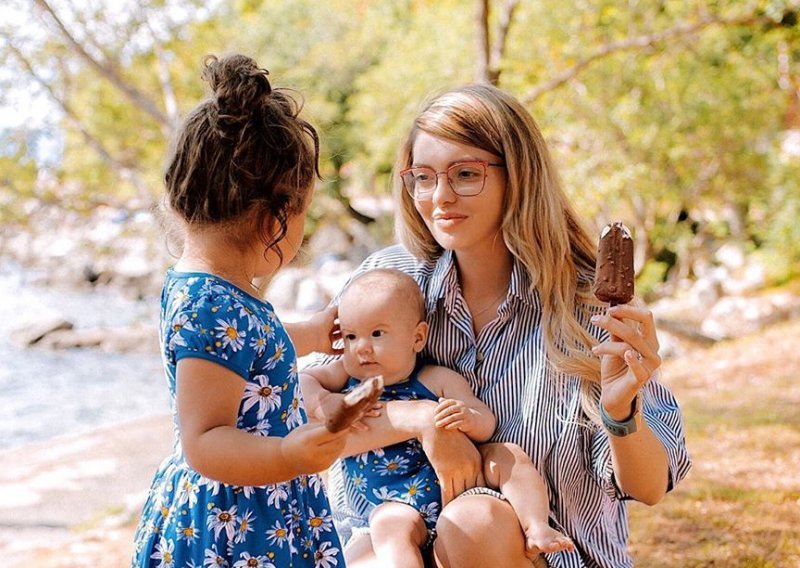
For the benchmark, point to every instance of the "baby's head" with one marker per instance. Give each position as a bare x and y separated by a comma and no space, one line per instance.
382,317
243,161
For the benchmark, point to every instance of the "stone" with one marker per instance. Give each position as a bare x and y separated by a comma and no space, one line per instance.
33,332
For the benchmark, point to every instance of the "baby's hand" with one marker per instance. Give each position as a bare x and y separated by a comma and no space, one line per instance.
540,537
451,414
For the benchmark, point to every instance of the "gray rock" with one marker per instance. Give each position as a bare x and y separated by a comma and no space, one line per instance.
32,333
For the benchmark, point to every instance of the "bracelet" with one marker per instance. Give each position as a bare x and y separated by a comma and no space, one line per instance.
626,427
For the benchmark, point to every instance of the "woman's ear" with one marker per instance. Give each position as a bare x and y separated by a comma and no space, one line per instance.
420,336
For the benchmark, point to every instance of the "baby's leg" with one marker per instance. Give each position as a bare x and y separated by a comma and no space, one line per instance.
509,469
398,533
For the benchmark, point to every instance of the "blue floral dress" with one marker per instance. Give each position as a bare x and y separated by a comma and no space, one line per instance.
400,472
190,521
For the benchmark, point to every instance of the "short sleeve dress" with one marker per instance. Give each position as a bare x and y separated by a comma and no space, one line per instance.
190,521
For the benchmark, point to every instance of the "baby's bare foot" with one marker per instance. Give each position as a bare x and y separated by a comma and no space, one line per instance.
540,537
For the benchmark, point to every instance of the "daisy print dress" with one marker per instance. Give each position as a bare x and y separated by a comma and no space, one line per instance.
190,521
400,472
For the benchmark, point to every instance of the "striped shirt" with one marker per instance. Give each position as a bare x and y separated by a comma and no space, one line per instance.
536,408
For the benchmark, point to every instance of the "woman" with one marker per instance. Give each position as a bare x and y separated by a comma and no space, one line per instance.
506,267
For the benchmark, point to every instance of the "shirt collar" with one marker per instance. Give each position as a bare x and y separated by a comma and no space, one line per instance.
444,283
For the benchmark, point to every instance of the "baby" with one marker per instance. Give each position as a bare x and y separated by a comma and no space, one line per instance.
382,320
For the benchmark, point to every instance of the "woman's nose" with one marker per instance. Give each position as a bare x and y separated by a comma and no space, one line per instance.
442,192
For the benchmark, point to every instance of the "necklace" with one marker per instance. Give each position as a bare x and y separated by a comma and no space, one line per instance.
492,304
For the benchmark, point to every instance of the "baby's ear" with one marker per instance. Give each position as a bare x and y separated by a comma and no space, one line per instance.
420,336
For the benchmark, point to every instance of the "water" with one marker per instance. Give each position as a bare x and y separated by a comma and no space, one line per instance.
46,393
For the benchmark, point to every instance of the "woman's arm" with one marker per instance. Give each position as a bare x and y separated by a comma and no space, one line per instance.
629,358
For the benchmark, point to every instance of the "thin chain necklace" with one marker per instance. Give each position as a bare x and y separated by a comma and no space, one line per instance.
493,303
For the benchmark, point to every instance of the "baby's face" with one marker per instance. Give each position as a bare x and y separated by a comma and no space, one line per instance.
381,336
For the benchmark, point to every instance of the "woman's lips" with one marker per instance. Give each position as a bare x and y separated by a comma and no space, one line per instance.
448,220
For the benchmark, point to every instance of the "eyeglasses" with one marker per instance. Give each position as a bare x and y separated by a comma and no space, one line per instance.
465,178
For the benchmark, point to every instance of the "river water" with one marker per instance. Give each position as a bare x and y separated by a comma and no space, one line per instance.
43,393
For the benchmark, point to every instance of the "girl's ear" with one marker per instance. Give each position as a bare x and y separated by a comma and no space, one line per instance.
420,336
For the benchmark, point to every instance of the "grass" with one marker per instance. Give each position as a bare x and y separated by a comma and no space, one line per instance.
740,505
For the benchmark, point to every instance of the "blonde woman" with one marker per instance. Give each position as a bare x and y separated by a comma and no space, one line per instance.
506,266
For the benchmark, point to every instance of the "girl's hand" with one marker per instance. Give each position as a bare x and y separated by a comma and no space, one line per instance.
455,459
329,404
452,414
628,358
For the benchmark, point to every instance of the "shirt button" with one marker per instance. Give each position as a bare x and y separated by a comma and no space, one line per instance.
479,356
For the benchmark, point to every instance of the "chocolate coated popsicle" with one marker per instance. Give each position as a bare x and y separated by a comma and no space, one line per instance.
613,276
349,407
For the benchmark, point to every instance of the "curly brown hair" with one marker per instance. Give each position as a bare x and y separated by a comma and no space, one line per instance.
242,152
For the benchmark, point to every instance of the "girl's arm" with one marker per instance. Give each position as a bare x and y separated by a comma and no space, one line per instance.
317,334
458,407
208,400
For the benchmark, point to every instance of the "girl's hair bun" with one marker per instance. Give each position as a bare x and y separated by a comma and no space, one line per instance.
239,88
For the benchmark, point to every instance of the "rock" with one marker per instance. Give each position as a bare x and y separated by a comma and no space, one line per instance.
33,332
133,339
73,338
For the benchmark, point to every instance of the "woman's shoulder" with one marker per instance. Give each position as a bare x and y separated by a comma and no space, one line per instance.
399,258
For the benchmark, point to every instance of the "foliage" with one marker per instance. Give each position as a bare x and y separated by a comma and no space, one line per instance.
669,115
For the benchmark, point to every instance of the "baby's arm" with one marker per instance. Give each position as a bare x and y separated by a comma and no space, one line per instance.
507,468
458,407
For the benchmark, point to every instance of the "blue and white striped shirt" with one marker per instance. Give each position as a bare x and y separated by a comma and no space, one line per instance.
536,409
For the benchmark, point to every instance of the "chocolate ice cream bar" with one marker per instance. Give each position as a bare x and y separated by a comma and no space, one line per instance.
613,276
355,401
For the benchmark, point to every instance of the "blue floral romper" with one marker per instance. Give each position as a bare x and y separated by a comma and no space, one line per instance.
400,472
190,521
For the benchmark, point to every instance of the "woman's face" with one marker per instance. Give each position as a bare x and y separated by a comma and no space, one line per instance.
458,223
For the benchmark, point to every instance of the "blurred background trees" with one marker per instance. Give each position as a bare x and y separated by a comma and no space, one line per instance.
681,117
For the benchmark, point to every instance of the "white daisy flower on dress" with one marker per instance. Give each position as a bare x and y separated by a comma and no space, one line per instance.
247,313
278,534
319,523
259,343
230,336
294,417
248,561
164,553
385,494
260,392
187,492
278,492
260,428
212,484
267,330
359,481
413,489
187,532
213,559
315,483
429,512
325,556
245,526
180,322
389,466
277,357
219,520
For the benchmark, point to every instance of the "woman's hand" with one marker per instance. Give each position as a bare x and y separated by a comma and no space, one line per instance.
629,356
455,459
317,334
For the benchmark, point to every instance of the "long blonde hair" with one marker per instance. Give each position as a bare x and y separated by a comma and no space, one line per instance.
540,226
